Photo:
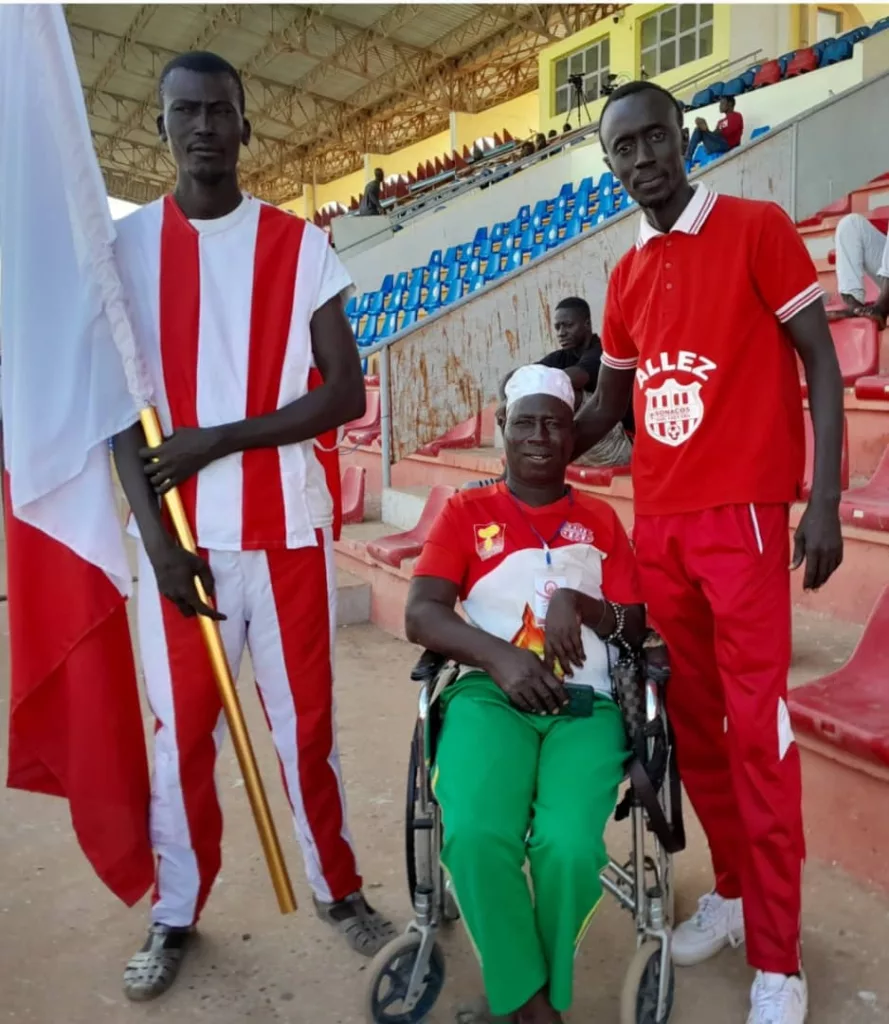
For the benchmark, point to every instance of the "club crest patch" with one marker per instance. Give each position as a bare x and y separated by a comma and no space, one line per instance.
489,540
576,534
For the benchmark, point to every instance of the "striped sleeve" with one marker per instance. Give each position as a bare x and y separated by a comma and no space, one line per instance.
618,350
783,270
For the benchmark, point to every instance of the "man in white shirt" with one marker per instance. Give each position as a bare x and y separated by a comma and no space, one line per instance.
238,309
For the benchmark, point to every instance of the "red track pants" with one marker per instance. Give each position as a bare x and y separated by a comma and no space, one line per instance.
717,585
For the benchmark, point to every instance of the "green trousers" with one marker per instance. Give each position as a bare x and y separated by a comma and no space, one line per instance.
511,787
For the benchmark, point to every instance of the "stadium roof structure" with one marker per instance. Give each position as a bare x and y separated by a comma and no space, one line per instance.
325,83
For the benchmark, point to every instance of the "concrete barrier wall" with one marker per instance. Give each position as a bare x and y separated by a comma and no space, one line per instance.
448,367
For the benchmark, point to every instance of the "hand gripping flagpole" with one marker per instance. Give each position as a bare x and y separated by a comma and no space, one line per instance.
47,32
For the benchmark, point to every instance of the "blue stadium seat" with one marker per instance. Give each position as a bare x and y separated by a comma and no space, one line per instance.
368,333
523,216
606,185
390,327
374,303
749,75
526,242
516,260
856,34
574,228
821,46
538,250
736,86
401,282
452,290
364,302
481,235
388,284
407,319
352,306
717,88
450,257
394,300
566,190
434,258
702,98
762,130
412,301
585,187
475,282
839,49
540,217
880,26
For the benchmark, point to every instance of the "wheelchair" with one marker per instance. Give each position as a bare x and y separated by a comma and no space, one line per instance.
407,976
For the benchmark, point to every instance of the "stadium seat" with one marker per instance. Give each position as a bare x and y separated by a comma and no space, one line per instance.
837,209
394,549
352,485
809,471
368,333
784,62
388,284
757,133
872,389
702,98
868,506
768,74
595,476
367,427
848,708
736,86
749,75
879,26
857,341
839,49
803,62
464,435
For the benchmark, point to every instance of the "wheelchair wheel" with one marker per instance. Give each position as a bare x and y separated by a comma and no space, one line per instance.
638,1000
390,975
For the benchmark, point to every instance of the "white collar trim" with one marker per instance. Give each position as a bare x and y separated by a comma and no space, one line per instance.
691,220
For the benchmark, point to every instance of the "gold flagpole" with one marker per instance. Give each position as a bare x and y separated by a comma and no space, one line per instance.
234,714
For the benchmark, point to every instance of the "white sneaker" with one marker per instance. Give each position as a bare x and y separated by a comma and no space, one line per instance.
778,999
718,923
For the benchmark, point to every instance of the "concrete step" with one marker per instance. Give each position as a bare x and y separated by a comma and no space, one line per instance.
352,599
403,506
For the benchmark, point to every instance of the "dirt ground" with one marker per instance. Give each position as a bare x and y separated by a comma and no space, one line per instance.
64,940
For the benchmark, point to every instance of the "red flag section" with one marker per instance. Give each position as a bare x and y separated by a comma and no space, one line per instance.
75,725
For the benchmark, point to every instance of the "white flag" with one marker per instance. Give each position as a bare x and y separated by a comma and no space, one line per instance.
71,373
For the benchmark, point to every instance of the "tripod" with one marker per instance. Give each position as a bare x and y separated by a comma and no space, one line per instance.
578,101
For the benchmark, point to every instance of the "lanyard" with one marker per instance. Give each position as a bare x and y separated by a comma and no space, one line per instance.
544,543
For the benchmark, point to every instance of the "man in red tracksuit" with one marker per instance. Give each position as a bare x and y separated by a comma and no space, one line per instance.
703,322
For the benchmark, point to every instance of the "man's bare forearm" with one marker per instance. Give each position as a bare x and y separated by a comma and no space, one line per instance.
144,503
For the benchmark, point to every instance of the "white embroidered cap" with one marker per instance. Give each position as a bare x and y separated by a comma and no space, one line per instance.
535,379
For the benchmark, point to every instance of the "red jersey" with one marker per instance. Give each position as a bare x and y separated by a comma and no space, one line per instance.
698,314
508,559
731,128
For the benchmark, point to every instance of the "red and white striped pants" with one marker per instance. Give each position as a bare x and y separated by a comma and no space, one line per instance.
282,605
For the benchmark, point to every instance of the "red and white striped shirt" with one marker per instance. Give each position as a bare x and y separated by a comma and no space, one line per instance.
222,311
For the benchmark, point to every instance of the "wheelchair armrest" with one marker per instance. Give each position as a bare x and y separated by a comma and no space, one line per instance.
427,667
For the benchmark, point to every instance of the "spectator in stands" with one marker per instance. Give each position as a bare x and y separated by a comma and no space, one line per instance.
862,249
566,128
371,202
539,141
579,354
729,130
546,761
710,307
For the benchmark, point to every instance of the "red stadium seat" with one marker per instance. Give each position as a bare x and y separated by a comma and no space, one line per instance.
879,218
873,389
768,74
367,427
803,61
353,494
868,506
809,471
837,209
394,549
857,341
595,476
848,709
464,435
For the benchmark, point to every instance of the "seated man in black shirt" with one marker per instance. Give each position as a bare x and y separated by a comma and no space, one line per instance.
579,354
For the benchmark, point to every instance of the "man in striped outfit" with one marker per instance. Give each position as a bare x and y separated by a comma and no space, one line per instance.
238,311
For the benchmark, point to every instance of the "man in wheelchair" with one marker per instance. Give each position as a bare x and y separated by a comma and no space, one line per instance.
532,746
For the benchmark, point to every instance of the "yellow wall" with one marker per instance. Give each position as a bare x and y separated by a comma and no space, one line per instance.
341,190
624,58
519,117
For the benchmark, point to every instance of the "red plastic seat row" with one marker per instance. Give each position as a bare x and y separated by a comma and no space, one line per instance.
868,507
857,341
595,476
464,435
395,548
848,708
803,62
873,389
366,428
353,485
768,74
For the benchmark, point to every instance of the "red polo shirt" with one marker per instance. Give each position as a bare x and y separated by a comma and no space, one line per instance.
698,314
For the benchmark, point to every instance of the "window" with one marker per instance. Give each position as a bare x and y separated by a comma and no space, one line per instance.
829,24
675,36
592,66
